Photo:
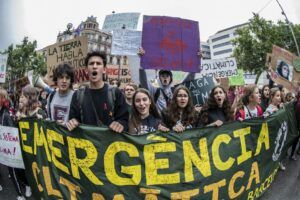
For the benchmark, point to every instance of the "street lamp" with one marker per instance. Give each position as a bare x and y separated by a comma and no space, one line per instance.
290,26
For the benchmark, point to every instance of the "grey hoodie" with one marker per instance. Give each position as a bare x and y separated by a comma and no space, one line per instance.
161,101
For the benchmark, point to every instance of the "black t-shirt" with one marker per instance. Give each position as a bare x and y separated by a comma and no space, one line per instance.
148,125
101,108
216,114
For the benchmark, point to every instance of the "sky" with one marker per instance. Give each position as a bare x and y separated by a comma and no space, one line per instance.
41,20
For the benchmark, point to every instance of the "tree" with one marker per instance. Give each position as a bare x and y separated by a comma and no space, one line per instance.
256,40
24,58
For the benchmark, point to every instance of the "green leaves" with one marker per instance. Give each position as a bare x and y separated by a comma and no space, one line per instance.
256,40
22,58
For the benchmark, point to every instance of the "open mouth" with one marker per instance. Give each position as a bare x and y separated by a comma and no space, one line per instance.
165,82
94,73
142,109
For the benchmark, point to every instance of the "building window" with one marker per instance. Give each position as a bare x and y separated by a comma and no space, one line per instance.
222,52
221,45
220,38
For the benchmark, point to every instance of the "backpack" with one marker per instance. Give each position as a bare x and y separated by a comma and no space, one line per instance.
111,99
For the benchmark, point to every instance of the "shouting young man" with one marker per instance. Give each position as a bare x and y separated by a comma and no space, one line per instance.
98,104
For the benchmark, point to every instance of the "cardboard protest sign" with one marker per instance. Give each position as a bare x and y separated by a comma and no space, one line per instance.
10,150
112,72
237,160
281,68
115,72
3,63
296,63
118,20
126,42
170,43
72,51
200,89
238,79
222,68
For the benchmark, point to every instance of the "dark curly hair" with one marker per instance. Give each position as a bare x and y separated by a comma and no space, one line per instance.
212,104
172,115
61,69
95,53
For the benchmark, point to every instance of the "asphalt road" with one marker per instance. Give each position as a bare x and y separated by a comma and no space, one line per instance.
285,186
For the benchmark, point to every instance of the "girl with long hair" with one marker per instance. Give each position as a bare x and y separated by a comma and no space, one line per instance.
248,106
265,97
31,95
180,114
217,110
276,102
144,117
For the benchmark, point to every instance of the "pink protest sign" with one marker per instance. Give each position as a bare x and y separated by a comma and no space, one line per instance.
170,43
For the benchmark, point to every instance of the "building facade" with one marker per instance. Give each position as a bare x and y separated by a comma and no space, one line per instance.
221,43
98,40
205,49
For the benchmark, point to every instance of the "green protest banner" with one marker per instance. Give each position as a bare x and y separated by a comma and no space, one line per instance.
238,160
238,79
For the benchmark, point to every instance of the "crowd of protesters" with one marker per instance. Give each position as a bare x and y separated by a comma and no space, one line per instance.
137,110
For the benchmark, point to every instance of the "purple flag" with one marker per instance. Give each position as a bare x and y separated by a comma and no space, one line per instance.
170,43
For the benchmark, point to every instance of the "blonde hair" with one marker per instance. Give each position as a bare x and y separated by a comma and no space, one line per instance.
3,93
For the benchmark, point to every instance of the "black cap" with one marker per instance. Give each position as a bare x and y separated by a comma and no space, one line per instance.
165,72
161,72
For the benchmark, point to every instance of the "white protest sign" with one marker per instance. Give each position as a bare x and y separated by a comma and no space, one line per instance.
117,21
220,68
134,64
3,63
10,150
126,42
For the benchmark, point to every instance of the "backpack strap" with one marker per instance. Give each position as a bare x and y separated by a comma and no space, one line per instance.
157,93
50,101
112,99
79,98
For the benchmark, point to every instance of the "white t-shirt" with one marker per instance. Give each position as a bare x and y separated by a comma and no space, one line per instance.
60,106
250,113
